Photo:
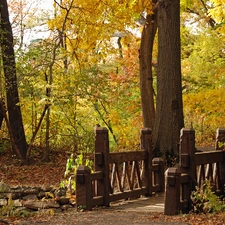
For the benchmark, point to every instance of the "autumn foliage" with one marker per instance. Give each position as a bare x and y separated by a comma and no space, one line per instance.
89,63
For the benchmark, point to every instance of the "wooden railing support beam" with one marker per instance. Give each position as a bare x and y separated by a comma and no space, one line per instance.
101,162
83,188
146,143
172,191
159,178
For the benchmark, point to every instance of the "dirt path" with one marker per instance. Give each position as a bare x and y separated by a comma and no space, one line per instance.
135,212
100,217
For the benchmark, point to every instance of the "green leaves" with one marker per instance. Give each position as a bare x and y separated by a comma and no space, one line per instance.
70,172
206,201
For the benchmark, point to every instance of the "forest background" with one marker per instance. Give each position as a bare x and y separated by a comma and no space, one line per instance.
86,68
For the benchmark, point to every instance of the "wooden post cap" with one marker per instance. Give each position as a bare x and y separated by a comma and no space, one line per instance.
101,130
220,133
157,161
83,170
146,130
187,130
172,171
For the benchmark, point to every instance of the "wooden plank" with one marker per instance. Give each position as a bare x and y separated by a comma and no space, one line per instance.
215,174
127,194
155,167
209,172
123,177
96,175
102,147
118,179
142,169
120,157
156,188
132,175
128,177
201,175
97,201
138,175
113,178
184,178
184,204
202,158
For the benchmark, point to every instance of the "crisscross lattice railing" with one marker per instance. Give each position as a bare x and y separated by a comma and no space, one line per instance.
119,175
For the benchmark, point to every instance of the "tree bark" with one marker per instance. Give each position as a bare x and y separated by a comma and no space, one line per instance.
145,61
9,65
169,108
2,111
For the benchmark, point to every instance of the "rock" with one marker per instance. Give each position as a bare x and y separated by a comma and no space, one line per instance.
60,192
73,202
3,222
30,190
4,187
35,198
30,197
17,203
41,194
52,204
63,200
46,188
4,195
35,205
49,195
65,207
17,192
3,202
16,188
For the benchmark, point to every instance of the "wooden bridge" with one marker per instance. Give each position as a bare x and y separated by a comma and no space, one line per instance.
125,175
120,175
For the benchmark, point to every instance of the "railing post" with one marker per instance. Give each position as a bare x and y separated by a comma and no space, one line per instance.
220,145
187,163
146,143
102,162
172,191
159,177
220,139
83,188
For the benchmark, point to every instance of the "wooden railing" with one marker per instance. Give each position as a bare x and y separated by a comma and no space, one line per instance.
194,168
119,175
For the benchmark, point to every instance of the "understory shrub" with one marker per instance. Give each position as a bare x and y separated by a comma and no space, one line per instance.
205,200
70,172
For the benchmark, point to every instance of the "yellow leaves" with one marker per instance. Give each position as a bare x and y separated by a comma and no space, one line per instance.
147,5
217,12
205,111
89,25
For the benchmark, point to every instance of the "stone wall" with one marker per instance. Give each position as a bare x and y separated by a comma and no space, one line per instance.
26,198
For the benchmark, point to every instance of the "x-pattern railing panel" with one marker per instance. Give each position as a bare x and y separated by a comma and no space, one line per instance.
126,176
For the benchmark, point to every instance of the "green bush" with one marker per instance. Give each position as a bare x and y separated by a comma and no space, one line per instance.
70,172
206,201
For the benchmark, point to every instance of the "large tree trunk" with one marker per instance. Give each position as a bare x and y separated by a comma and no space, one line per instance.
169,108
13,107
146,78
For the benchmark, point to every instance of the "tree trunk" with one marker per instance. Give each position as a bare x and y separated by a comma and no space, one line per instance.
2,113
146,78
9,65
169,108
49,81
47,138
